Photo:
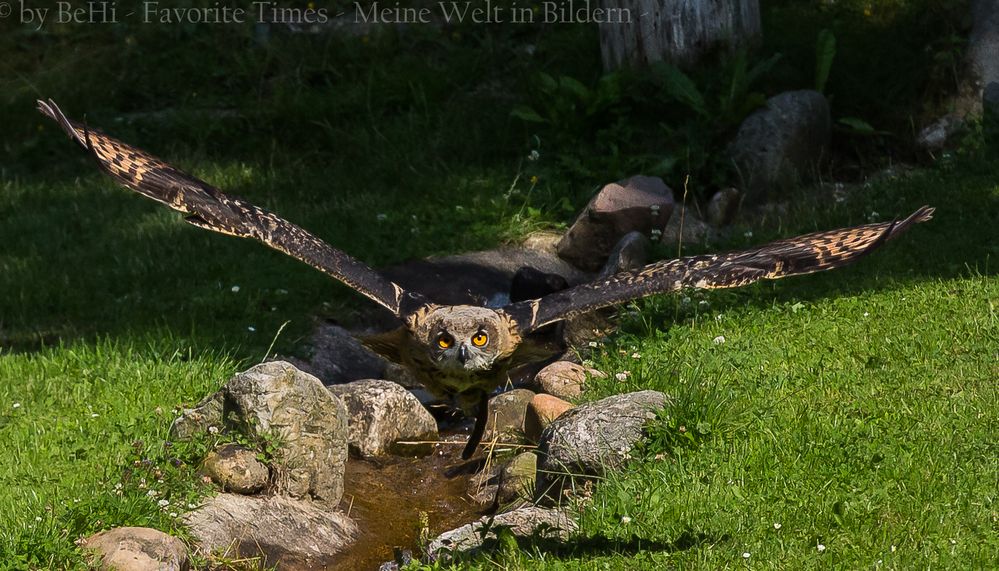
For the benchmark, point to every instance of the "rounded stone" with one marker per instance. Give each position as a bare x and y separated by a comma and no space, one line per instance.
236,469
542,411
136,549
564,379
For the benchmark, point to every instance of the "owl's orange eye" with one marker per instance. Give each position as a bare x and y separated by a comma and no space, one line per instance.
480,339
445,341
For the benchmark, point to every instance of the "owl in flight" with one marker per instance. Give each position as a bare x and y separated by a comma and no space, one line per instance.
463,351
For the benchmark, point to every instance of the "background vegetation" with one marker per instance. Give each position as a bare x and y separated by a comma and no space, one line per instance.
854,410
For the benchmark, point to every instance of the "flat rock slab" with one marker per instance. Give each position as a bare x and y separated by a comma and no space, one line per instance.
137,549
527,523
381,414
337,357
289,534
593,438
478,278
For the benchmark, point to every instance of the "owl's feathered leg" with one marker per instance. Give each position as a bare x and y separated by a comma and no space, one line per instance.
481,416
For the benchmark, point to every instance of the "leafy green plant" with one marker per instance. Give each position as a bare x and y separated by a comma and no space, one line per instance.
570,106
715,102
825,53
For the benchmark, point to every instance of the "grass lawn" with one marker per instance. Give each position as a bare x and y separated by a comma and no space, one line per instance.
853,410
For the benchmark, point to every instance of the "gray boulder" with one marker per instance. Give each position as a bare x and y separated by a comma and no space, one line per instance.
529,523
517,478
630,253
287,533
685,227
940,134
236,469
337,357
276,401
380,415
593,438
506,416
136,549
638,204
782,144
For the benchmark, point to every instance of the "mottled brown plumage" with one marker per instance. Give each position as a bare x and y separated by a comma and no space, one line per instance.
464,352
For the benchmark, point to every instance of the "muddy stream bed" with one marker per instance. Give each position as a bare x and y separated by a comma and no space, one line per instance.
386,497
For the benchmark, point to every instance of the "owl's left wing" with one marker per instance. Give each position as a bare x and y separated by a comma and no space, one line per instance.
805,254
207,207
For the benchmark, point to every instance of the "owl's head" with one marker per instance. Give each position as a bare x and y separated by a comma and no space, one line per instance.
465,337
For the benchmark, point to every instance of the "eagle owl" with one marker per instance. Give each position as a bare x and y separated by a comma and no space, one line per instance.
464,352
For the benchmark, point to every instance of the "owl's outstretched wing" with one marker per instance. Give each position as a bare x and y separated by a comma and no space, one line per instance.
207,207
791,257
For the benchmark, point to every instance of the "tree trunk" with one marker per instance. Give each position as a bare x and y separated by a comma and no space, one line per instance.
639,32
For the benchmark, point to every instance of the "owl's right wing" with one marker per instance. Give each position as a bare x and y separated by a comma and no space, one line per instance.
797,256
207,207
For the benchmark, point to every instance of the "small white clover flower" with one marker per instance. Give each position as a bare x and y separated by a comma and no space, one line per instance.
38,518
17,405
625,519
213,430
163,503
745,555
251,329
636,355
866,314
718,317
173,514
622,376
151,493
820,547
777,525
893,549
94,415
191,506
234,289
718,340
592,343
535,155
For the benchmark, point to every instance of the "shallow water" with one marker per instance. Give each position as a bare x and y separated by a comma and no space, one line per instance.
386,496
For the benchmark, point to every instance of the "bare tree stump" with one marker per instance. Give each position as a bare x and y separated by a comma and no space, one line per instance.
677,31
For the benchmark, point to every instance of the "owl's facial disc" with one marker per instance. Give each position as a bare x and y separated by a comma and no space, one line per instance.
464,338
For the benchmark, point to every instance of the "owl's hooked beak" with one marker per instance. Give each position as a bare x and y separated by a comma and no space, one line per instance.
462,353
